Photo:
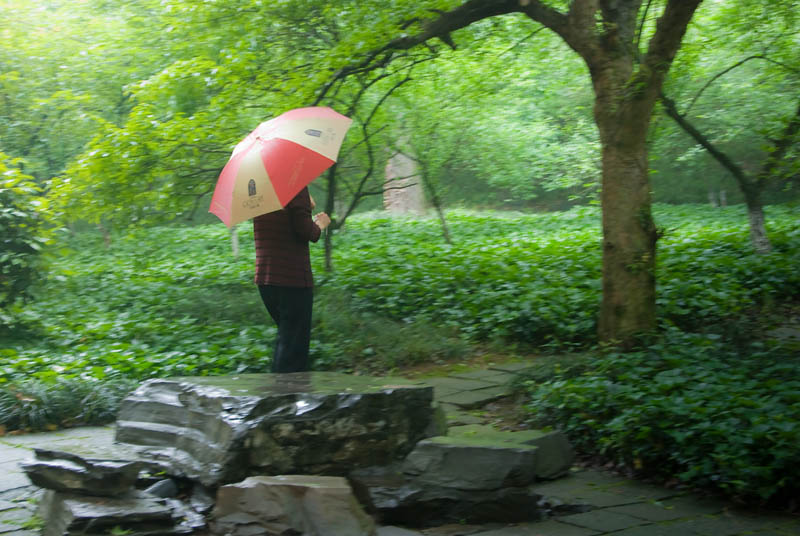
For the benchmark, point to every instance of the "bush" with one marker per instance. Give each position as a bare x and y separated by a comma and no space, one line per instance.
173,301
21,236
692,407
35,405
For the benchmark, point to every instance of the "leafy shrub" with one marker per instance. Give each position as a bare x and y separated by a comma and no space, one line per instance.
173,301
692,407
35,405
21,235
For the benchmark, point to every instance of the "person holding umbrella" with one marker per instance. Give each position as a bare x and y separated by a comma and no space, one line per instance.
284,278
266,179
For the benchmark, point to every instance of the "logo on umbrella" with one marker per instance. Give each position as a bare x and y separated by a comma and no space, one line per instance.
314,132
251,188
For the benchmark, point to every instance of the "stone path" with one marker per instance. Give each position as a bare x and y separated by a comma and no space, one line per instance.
585,503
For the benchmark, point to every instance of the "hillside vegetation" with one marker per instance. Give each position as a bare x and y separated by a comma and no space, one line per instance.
712,400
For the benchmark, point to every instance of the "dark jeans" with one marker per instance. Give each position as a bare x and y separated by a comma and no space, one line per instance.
290,308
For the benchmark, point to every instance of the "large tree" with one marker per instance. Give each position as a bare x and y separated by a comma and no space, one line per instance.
628,53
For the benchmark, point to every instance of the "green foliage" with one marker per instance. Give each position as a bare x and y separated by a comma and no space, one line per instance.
705,403
723,95
22,235
710,413
35,405
173,301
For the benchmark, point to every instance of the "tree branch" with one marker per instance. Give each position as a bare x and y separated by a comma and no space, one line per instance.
666,41
732,67
738,173
460,17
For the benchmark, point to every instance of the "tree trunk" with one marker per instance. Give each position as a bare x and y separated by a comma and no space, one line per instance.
749,187
629,240
755,213
605,33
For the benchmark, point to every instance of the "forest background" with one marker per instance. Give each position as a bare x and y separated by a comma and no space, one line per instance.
116,118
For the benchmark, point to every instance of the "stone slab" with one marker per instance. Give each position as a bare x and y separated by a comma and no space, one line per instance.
396,531
457,417
515,367
290,504
650,511
220,429
449,385
544,528
460,529
13,520
602,490
554,452
471,464
656,530
696,506
84,434
475,398
13,477
729,525
603,520
12,452
490,376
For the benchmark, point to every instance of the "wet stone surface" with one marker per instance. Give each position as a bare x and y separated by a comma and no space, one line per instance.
218,430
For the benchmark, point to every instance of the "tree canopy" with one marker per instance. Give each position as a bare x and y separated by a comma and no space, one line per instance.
125,112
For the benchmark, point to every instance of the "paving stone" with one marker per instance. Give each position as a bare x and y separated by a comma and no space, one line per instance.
12,452
544,528
475,398
640,490
511,367
6,505
730,525
396,531
602,520
600,499
11,520
650,511
655,530
695,506
13,477
601,479
491,376
25,494
454,530
447,385
83,433
455,416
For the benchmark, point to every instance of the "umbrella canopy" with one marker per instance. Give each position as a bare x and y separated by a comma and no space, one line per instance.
277,160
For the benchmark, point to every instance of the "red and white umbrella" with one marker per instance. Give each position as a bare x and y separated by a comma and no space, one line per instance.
277,160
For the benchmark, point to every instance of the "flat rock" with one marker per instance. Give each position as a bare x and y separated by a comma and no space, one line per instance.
406,500
554,455
290,504
133,515
63,471
219,430
465,464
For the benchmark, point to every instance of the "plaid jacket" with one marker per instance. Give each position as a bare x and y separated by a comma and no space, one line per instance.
282,238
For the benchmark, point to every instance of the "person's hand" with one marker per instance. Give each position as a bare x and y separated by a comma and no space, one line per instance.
313,203
322,220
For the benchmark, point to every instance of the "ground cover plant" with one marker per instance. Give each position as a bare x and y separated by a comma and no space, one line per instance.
172,301
686,409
